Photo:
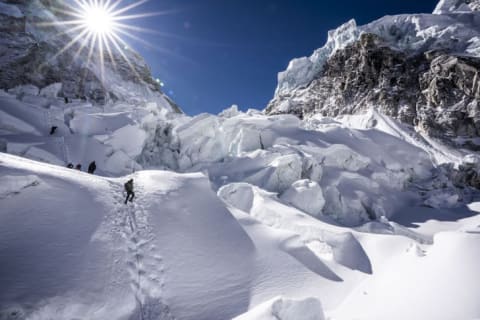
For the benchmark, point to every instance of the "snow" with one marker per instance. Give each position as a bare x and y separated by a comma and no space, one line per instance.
305,195
117,255
10,10
277,226
454,26
96,124
363,172
438,152
301,71
129,139
51,91
26,89
454,6
444,278
282,309
257,217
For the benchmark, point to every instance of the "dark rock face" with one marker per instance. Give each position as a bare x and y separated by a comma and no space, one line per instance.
29,54
435,91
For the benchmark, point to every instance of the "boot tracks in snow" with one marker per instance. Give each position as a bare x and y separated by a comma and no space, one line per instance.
145,266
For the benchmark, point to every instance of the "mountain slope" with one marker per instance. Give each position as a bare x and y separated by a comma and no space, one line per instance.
178,253
38,49
420,69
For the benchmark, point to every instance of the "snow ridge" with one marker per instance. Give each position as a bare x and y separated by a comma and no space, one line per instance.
145,265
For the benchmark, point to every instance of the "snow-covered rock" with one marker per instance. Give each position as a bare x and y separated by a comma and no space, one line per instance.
456,6
25,89
98,123
302,70
230,112
421,69
33,36
51,91
305,195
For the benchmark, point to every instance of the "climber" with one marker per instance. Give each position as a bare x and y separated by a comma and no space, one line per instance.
78,167
66,100
70,165
53,129
129,190
92,167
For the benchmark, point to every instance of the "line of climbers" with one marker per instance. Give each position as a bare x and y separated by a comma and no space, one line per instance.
91,167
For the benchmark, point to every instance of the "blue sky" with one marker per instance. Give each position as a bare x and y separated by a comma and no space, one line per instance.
214,53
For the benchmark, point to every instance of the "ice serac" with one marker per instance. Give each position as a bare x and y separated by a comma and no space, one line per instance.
35,51
302,70
456,6
422,69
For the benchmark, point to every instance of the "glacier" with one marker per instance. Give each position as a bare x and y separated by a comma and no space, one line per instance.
240,215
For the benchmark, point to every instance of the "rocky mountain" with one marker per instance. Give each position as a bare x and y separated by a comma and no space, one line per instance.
37,49
422,69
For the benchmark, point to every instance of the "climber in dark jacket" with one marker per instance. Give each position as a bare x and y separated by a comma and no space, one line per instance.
92,167
129,190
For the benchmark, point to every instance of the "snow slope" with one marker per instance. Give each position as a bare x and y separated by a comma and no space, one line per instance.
258,217
178,252
359,172
269,211
112,135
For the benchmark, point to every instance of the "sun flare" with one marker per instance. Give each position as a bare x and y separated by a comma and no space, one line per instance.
99,28
97,19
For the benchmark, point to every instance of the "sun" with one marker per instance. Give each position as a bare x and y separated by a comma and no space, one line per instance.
97,19
99,27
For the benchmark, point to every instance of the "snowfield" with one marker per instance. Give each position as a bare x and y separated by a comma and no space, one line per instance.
266,217
179,252
239,215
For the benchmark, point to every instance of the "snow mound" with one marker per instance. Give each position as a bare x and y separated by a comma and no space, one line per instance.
448,266
97,124
284,309
305,195
317,240
93,256
15,184
353,168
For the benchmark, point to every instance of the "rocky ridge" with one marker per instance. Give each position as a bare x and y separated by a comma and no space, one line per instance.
420,69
